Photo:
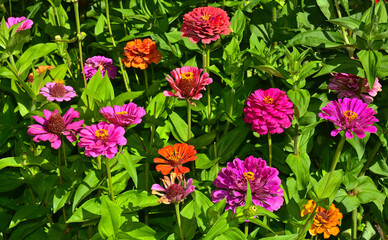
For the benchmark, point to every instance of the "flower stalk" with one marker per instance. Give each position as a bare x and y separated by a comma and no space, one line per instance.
76,13
107,164
354,225
178,218
188,122
269,149
206,63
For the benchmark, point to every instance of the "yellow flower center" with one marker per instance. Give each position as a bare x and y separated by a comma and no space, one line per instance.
206,17
187,76
350,115
121,113
102,134
60,81
250,176
174,158
268,99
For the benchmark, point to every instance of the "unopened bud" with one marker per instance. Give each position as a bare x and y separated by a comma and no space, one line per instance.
250,211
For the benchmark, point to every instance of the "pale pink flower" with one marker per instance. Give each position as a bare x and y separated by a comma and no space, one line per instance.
27,23
57,91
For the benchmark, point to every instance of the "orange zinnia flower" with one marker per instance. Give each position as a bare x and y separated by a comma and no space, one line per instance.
325,221
174,158
39,70
139,54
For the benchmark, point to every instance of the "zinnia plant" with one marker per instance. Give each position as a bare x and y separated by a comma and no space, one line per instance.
351,116
39,70
140,53
57,91
104,64
27,23
125,115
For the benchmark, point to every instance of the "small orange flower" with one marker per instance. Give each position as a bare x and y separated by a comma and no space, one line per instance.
39,70
174,158
139,54
325,221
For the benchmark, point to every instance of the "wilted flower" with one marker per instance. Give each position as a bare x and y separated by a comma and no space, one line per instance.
187,82
52,126
325,221
57,91
101,139
348,85
139,54
39,70
123,116
206,24
268,111
101,63
350,115
173,192
174,158
27,23
263,180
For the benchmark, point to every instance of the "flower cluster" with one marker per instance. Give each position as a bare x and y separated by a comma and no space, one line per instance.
39,70
104,64
27,23
139,54
57,91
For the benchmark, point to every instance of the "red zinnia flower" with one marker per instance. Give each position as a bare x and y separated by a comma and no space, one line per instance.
139,54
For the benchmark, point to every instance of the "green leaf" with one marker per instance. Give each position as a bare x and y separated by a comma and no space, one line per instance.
90,210
203,140
341,64
111,220
99,28
349,202
223,224
203,162
134,200
260,223
350,23
232,233
301,99
88,185
300,166
61,196
277,72
283,237
136,230
366,191
11,162
179,127
125,159
359,144
32,53
326,197
27,213
370,61
327,8
10,180
201,205
230,142
127,96
238,23
315,38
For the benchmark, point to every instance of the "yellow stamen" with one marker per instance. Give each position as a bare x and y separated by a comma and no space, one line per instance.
60,81
174,158
121,113
268,99
250,176
187,76
101,134
350,115
205,17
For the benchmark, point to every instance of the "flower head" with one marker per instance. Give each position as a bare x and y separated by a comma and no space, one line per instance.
348,85
268,111
173,192
350,115
263,180
101,63
187,82
205,24
27,23
58,91
53,125
101,139
174,158
39,70
139,54
325,221
123,116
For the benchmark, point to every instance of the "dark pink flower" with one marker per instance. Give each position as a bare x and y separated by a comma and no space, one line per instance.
101,63
101,139
348,85
268,111
57,91
123,116
350,115
187,82
205,24
27,23
52,126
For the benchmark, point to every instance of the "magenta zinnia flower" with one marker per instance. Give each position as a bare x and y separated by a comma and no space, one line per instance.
348,85
27,23
350,115
187,82
52,126
123,116
101,139
57,91
206,24
101,63
268,111
173,192
263,180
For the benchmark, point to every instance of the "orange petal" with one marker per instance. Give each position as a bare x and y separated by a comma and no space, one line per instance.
166,151
160,160
165,169
181,170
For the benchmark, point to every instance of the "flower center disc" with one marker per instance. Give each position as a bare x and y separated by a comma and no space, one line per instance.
102,134
122,113
187,83
174,191
174,159
250,176
268,100
350,115
206,17
56,124
58,90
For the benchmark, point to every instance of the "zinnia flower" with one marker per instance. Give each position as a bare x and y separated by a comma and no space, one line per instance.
268,111
139,54
325,221
39,70
27,23
187,82
205,24
173,192
57,91
263,180
52,126
101,63
123,116
350,115
347,85
174,158
101,139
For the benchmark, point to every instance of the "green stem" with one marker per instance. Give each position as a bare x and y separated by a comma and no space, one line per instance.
122,15
63,150
296,150
206,63
178,218
137,78
76,12
99,162
188,121
246,228
59,166
107,164
274,12
350,50
230,110
354,226
269,149
370,159
308,223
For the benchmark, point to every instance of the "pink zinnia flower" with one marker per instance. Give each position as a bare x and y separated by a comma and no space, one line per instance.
27,23
173,192
52,126
101,63
206,24
268,111
101,139
57,91
263,180
187,82
350,115
347,85
123,116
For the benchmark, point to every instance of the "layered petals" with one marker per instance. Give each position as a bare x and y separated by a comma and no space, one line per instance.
27,23
125,115
140,53
57,91
104,64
